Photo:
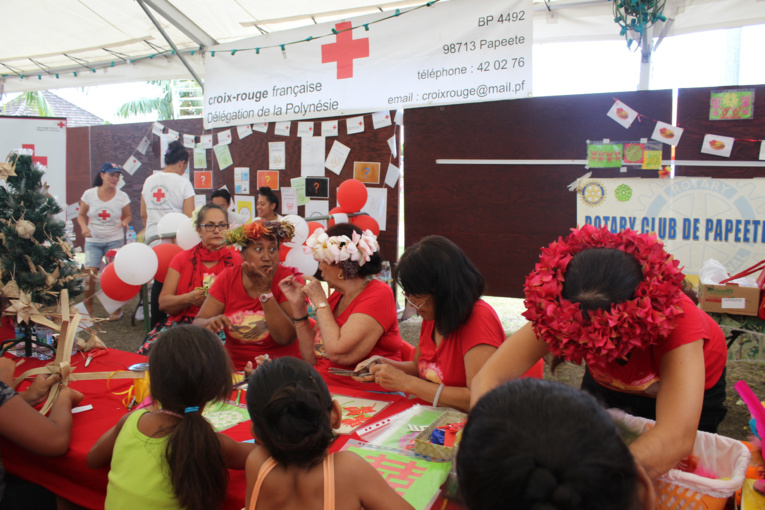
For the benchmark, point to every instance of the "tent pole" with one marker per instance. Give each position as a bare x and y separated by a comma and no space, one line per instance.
645,61
170,42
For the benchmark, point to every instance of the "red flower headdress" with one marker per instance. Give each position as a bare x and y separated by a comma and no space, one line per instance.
606,335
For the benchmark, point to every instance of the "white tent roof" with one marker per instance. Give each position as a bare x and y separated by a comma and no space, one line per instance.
48,41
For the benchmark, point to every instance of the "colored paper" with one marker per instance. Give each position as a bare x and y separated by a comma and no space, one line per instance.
289,201
622,114
667,133
268,178
203,180
717,145
633,153
305,129
366,171
245,206
356,411
200,157
317,187
242,180
277,155
223,155
354,125
299,184
604,155
336,157
731,104
652,160
329,128
224,415
381,119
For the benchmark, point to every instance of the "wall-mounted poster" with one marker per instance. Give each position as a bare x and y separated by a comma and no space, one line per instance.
731,104
268,178
366,171
317,187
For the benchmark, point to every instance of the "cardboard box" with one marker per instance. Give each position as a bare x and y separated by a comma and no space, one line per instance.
729,299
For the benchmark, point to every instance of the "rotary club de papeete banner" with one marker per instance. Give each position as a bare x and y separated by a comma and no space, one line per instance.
696,218
461,51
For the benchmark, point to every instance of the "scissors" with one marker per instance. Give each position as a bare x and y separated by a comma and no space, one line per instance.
95,353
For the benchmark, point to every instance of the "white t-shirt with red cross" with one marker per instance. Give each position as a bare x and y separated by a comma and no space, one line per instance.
105,218
163,193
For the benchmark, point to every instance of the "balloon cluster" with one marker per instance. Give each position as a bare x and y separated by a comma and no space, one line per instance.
351,197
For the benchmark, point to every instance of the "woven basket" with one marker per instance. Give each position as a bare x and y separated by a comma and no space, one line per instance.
678,490
422,444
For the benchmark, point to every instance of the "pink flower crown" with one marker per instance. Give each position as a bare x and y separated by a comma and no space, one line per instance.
605,335
336,249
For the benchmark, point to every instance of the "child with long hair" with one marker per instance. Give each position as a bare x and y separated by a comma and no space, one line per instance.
171,457
292,416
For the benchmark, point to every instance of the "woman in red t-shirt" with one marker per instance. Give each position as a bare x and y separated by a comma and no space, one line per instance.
193,271
358,319
245,301
615,301
459,332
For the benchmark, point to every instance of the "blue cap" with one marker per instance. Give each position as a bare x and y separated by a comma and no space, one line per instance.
110,168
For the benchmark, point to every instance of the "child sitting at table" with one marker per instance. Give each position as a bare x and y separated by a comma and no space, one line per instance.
41,435
292,416
170,457
539,444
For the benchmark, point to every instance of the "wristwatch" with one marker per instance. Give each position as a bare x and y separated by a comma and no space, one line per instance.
265,297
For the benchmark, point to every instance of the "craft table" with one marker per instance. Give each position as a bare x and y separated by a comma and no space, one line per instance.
70,477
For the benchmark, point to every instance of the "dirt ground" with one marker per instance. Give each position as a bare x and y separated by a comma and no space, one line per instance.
123,335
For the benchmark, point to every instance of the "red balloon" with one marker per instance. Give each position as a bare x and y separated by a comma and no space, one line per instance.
335,210
352,195
313,225
115,288
366,223
283,251
165,253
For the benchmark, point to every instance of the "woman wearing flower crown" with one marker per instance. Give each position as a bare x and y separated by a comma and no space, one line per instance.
615,301
356,321
245,301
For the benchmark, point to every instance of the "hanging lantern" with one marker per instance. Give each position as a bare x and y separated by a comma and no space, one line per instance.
635,16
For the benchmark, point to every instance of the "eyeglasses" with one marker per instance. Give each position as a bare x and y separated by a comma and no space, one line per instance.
417,307
212,227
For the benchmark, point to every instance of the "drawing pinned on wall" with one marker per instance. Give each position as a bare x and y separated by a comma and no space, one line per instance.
604,155
277,155
268,178
200,157
354,125
731,104
366,172
223,155
305,129
203,180
622,114
336,157
667,133
245,206
282,128
243,131
317,187
261,127
329,128
289,201
717,145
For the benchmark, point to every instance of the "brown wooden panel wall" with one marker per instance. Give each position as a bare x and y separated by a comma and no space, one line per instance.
502,215
77,168
693,116
116,143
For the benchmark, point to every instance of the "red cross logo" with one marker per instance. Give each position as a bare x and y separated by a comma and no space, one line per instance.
344,50
61,124
104,215
159,194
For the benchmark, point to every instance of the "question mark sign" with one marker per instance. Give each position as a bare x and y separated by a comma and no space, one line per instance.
366,171
268,178
203,179
316,186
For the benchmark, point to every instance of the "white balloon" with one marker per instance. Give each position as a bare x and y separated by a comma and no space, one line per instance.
300,261
170,222
135,263
187,236
301,230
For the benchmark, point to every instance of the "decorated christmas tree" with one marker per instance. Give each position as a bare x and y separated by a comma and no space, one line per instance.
36,260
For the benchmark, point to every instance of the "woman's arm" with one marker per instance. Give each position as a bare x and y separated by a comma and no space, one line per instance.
144,213
188,206
279,320
513,358
351,343
172,304
235,453
211,316
100,453
127,216
678,409
82,219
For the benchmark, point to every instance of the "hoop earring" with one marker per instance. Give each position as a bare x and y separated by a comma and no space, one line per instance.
340,275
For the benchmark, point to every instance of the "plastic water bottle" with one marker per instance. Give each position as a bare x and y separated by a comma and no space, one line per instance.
130,235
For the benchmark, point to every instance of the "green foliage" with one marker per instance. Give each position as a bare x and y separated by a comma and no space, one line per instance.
28,260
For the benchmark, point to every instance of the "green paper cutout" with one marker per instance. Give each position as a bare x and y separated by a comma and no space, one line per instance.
604,155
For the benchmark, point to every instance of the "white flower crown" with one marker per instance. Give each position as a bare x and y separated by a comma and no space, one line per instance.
335,249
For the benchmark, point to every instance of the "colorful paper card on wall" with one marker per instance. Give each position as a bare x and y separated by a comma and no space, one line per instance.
268,178
416,480
731,104
651,160
356,411
242,180
336,157
317,187
223,154
200,157
667,133
245,206
366,171
633,153
717,145
203,180
299,184
604,155
622,114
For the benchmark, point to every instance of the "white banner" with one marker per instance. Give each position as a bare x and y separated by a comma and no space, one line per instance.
460,51
696,218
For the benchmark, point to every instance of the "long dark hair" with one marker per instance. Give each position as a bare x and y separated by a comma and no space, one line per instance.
289,406
189,367
176,152
438,267
552,447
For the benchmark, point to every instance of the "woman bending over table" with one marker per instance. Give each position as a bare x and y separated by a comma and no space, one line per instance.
459,332
246,302
358,319
614,300
192,272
